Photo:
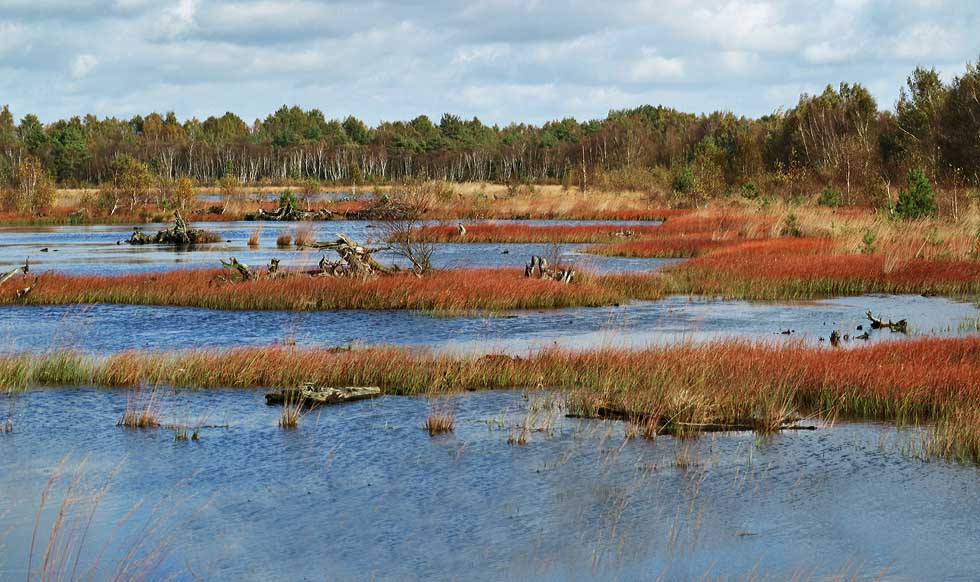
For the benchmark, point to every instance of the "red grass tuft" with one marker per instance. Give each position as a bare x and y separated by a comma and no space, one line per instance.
446,291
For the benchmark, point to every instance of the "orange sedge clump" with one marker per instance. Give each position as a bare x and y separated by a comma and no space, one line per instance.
917,379
447,291
780,268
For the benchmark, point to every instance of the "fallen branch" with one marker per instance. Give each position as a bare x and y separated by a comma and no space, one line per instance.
673,428
242,269
901,326
355,259
21,293
311,395
538,267
25,269
177,235
289,212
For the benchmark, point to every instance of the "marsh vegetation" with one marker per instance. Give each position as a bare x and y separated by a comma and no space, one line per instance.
644,453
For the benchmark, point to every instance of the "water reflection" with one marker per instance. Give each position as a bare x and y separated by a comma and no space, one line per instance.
109,328
362,492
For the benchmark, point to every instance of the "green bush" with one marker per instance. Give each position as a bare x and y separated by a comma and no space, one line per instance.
750,191
869,242
831,197
918,200
684,182
791,226
288,198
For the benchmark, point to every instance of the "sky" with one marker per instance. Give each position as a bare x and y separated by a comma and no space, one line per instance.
499,60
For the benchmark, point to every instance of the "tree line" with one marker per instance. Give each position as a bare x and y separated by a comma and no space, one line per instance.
838,139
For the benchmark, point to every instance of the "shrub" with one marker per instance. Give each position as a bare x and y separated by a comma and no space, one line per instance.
309,192
230,186
184,196
868,241
918,200
750,191
31,191
791,226
831,197
288,198
684,182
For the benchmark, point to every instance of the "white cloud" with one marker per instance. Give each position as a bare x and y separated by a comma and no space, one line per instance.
653,67
177,20
739,62
82,65
825,52
502,60
482,53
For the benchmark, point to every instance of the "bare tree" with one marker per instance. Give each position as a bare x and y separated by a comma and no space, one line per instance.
402,215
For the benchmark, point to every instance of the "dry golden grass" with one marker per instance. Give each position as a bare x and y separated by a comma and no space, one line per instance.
292,411
673,389
141,410
450,291
303,235
440,420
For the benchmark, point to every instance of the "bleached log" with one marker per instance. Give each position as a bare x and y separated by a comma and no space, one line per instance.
901,325
21,293
312,395
242,269
358,260
24,269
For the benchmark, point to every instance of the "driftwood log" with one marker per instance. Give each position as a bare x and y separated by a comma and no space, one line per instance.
177,235
274,268
901,326
244,271
668,427
538,268
289,212
21,293
312,396
26,268
355,260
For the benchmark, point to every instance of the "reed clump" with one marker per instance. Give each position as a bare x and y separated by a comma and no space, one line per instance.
811,268
440,421
253,239
292,411
284,241
759,385
141,410
303,235
447,291
743,253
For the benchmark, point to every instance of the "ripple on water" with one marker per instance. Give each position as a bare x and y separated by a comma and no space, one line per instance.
94,249
362,491
109,328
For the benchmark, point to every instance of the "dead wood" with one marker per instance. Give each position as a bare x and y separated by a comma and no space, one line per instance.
355,260
24,269
312,395
537,267
901,326
673,428
177,235
289,212
21,293
243,270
